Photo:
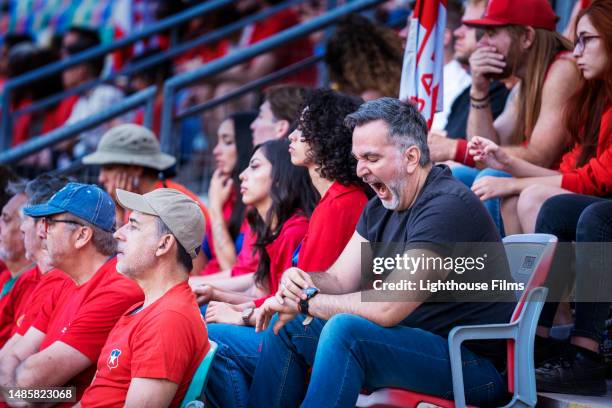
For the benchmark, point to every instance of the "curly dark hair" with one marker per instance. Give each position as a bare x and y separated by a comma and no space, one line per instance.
330,142
362,55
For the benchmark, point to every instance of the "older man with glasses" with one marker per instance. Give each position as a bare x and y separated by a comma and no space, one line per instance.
67,336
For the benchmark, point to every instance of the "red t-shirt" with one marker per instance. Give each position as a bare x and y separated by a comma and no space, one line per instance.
47,290
85,314
332,225
166,340
16,300
246,261
281,251
595,177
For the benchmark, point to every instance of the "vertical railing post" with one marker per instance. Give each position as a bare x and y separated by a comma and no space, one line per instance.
6,126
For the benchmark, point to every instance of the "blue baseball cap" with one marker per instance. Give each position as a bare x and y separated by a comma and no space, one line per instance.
86,201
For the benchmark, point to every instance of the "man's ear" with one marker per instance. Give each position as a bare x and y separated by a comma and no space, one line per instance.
282,128
412,156
85,235
165,244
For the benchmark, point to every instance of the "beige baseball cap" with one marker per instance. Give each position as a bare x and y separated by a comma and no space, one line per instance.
181,214
131,145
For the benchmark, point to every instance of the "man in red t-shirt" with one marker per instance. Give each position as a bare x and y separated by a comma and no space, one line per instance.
67,335
22,300
12,251
157,345
131,159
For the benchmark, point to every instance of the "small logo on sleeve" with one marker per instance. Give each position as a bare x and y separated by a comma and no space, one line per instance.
113,359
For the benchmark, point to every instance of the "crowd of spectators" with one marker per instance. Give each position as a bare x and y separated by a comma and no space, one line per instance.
118,288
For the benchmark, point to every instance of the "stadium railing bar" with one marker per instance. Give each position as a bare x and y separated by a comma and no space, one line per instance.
145,98
178,82
153,60
169,24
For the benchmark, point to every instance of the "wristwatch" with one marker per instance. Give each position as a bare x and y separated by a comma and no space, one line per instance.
246,315
310,292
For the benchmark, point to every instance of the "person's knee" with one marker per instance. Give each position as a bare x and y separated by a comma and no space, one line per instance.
547,216
594,223
530,200
341,328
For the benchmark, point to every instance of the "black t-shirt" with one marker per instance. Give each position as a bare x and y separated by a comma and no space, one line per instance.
446,212
456,124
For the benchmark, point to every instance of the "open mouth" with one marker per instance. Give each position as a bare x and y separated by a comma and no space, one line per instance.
380,189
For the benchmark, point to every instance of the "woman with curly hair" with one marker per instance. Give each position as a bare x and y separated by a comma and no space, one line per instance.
364,58
322,144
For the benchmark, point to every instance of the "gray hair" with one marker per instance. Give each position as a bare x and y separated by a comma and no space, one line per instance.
103,241
42,188
405,124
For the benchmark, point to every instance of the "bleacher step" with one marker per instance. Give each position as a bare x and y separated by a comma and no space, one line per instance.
548,400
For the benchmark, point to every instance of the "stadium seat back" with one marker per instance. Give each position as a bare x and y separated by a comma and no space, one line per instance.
193,396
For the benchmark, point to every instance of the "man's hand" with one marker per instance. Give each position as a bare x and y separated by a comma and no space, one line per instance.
494,187
286,312
441,148
204,294
219,190
221,312
484,63
292,283
488,153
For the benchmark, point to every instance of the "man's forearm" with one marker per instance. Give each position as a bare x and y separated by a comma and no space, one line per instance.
8,370
480,123
330,284
325,306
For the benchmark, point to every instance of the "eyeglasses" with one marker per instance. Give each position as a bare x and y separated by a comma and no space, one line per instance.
51,221
582,41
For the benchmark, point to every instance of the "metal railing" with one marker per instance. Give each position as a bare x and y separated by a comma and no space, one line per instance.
169,24
178,82
146,98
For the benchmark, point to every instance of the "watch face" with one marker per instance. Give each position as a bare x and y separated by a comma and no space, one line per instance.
310,291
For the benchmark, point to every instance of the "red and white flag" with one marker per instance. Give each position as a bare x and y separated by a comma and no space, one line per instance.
424,58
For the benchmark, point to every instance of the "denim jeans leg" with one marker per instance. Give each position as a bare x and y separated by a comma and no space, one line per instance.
465,174
281,375
354,353
493,205
234,364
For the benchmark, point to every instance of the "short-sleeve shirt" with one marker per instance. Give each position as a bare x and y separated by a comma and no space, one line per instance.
331,226
166,340
281,251
85,314
445,212
15,301
47,291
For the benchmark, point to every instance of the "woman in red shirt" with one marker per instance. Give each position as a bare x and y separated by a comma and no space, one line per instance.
322,144
281,198
587,168
228,245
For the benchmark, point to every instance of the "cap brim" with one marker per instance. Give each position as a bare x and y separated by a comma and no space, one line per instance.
160,161
42,210
484,22
134,202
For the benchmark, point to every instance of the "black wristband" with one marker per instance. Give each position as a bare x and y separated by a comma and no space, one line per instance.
486,98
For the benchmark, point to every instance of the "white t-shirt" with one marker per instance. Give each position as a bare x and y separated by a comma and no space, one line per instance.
456,80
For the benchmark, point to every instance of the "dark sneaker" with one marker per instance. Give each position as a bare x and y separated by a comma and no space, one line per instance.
580,372
546,348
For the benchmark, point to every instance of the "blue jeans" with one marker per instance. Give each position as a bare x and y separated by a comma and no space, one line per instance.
468,175
349,353
234,364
